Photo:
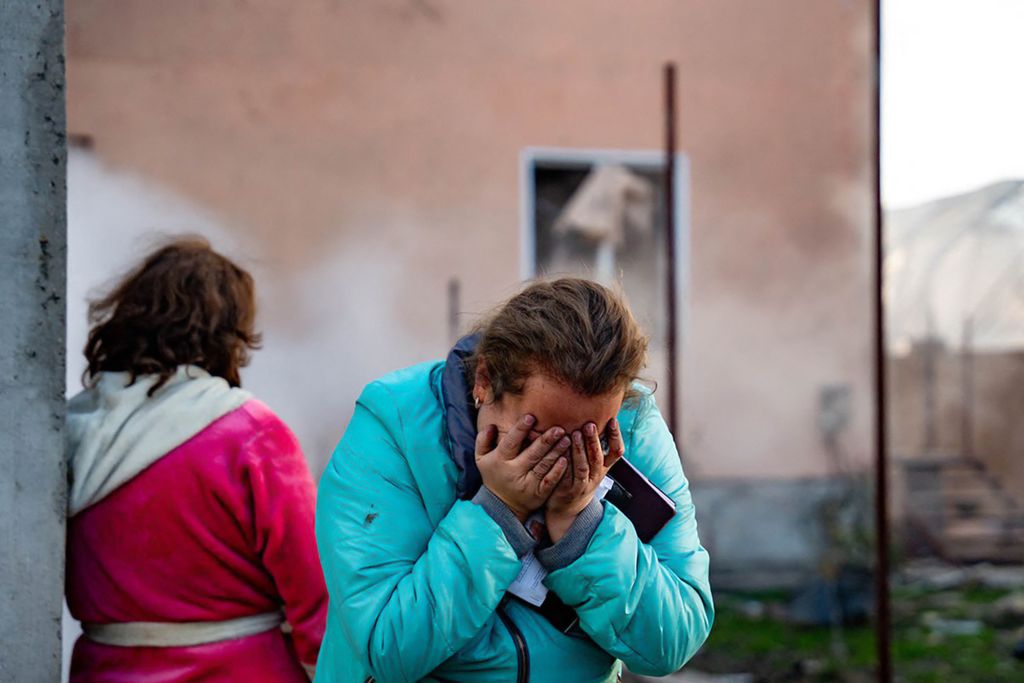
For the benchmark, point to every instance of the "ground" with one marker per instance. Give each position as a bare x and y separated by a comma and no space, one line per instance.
947,630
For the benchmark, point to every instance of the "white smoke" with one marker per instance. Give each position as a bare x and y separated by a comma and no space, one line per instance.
328,328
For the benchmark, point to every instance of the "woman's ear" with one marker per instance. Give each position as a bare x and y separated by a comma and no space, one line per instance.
481,382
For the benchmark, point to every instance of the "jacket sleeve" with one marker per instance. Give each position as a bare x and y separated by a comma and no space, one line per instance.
284,504
648,605
404,594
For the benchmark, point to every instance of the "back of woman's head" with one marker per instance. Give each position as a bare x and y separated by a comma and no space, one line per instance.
184,304
576,331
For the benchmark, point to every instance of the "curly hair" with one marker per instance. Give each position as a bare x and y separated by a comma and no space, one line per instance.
185,304
577,331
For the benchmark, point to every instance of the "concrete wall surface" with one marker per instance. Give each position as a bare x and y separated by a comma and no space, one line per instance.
781,533
32,296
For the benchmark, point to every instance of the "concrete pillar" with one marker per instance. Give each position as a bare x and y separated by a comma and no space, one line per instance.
33,484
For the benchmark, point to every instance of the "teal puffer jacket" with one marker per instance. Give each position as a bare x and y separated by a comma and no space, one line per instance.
417,576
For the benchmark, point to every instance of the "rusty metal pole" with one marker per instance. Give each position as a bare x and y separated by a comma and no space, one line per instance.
967,388
454,306
670,245
883,621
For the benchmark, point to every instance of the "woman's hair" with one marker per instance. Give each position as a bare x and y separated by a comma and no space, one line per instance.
185,304
576,331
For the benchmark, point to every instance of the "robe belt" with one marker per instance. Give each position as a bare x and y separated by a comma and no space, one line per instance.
180,634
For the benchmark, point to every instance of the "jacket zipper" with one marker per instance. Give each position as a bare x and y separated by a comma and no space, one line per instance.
522,654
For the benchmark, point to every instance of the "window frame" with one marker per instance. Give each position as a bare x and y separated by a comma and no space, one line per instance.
568,157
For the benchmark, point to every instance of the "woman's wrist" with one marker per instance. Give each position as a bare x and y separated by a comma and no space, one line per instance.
559,522
574,533
511,526
521,514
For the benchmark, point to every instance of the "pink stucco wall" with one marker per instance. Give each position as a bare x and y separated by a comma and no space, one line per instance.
383,139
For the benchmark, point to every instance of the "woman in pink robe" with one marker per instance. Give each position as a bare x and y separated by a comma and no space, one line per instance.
190,550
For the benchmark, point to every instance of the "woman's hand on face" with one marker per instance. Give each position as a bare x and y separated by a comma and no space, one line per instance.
590,464
523,480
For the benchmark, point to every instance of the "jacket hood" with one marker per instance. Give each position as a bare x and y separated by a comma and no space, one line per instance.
460,416
115,430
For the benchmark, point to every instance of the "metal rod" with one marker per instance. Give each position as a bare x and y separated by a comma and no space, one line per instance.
883,621
931,348
670,245
967,388
454,304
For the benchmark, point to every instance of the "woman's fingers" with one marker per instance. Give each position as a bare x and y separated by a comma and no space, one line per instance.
557,460
545,464
485,440
541,447
595,454
580,468
555,477
616,445
512,442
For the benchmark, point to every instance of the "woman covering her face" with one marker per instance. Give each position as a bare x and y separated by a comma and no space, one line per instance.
190,530
452,474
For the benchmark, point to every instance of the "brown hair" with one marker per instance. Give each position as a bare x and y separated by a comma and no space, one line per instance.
577,331
185,304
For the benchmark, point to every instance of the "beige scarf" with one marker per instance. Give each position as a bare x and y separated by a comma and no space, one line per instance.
116,430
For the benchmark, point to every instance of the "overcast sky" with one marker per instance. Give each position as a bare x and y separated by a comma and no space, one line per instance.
952,96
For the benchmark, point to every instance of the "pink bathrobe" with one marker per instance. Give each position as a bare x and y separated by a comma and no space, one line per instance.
220,527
